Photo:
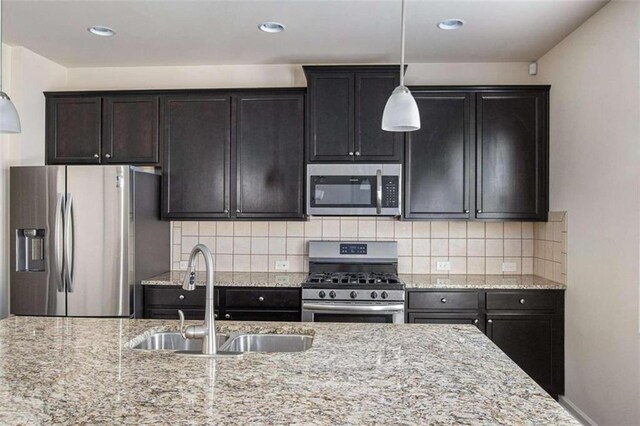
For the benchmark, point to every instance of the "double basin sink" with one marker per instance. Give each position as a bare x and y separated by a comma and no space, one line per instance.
236,342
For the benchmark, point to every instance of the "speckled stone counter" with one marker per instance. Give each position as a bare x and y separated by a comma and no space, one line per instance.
415,281
489,282
233,279
70,371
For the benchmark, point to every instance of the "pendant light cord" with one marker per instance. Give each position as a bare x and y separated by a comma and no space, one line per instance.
401,44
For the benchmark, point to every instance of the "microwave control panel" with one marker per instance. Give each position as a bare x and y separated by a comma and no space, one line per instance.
390,191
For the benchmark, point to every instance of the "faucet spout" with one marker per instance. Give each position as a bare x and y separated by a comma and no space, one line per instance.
206,331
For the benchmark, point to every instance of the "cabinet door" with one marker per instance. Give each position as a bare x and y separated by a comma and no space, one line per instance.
270,156
371,142
73,130
512,156
130,130
197,144
437,166
331,118
534,342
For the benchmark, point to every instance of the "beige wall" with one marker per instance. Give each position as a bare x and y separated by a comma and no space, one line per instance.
595,176
26,75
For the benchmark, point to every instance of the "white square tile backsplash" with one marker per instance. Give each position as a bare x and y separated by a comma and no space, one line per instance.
469,247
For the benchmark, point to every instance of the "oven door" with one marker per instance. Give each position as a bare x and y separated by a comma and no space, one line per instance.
352,312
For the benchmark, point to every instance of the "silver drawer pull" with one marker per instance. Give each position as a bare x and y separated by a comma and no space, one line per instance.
475,321
227,316
443,300
181,297
521,301
261,299
490,321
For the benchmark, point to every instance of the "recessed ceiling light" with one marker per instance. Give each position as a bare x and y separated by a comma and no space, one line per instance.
271,27
451,24
101,31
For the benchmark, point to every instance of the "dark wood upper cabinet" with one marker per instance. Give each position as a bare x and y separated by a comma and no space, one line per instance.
344,114
73,130
130,130
372,143
438,157
512,155
197,142
269,155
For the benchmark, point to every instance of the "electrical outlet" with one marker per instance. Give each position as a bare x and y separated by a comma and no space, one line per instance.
282,265
443,266
282,279
509,267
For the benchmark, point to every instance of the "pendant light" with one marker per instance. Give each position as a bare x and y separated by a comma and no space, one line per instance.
401,111
9,120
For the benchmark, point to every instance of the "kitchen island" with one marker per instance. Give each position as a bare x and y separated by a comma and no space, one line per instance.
75,370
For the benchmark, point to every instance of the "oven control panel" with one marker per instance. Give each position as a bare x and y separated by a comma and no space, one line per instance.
350,294
353,249
390,191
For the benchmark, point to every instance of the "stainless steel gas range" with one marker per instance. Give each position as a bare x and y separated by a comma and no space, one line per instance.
353,281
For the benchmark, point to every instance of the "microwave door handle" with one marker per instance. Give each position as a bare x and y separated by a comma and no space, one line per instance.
379,192
352,308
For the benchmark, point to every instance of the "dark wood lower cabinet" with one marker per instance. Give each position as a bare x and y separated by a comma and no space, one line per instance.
232,303
527,325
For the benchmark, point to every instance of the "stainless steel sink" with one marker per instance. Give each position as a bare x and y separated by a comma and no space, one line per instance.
268,343
172,341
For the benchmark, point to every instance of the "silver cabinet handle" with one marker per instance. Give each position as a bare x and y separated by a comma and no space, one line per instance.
350,152
379,191
215,316
108,155
521,301
357,153
96,155
261,299
475,321
443,300
226,211
479,211
227,316
237,210
181,297
466,210
490,321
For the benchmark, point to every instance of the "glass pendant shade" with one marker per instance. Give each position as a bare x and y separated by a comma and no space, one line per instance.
401,112
9,120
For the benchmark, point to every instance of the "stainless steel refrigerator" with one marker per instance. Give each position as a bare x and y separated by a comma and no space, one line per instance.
82,238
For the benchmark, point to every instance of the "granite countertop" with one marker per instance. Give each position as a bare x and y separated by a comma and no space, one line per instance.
80,370
233,279
412,281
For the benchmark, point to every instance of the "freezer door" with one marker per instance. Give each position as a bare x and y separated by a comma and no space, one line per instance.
97,241
37,198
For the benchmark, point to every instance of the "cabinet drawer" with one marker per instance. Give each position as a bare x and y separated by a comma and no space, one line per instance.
522,300
238,315
265,298
172,314
443,300
176,296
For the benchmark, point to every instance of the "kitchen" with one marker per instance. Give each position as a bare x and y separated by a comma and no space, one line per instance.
517,279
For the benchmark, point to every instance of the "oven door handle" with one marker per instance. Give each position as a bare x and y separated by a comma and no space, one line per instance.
379,191
352,308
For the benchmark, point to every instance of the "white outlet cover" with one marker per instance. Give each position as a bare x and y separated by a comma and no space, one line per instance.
443,266
282,279
509,267
282,265
184,264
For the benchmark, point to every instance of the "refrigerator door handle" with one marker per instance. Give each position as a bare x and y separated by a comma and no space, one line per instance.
69,243
58,239
123,217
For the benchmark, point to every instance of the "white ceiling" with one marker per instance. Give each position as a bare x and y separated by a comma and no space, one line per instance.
181,32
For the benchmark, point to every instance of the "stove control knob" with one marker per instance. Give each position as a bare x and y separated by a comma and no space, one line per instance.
354,294
384,295
322,294
332,294
374,295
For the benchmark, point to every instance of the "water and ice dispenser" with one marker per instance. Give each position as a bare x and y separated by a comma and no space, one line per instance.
30,250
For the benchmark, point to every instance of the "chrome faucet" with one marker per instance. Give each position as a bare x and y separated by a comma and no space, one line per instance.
206,331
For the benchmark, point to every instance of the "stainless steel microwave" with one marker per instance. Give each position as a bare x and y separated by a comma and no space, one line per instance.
354,189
